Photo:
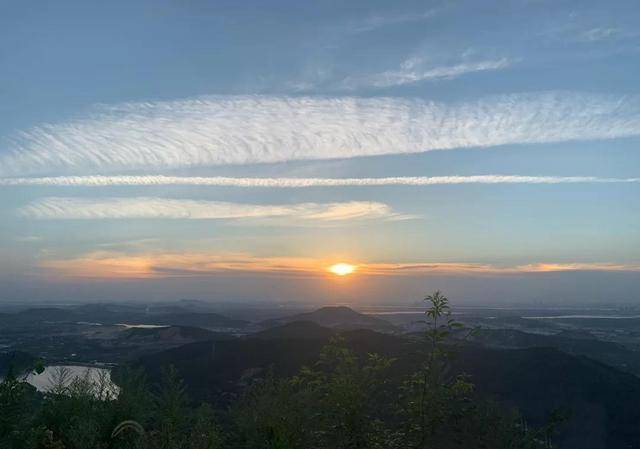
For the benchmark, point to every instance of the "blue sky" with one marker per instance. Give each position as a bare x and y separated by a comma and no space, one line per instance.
487,147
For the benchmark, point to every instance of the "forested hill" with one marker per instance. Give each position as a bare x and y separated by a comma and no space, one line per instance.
336,317
602,402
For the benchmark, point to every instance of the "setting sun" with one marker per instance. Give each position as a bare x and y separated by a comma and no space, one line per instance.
342,269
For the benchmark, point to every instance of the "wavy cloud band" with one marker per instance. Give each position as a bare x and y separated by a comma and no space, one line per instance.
224,130
53,208
221,181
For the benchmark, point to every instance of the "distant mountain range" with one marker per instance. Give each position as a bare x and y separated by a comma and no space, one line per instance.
115,314
336,317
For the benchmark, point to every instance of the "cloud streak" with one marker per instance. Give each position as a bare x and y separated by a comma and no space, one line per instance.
376,21
112,264
65,208
471,268
410,72
291,183
226,130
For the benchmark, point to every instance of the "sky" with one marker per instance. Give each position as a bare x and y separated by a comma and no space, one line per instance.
234,150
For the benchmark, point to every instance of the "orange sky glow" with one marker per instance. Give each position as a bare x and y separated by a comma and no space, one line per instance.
116,265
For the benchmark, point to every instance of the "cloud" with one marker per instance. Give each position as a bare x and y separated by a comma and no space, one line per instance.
29,239
376,21
63,208
410,72
551,267
594,29
113,264
600,34
224,130
222,181
475,268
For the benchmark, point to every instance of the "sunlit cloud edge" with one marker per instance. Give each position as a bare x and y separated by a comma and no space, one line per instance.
117,265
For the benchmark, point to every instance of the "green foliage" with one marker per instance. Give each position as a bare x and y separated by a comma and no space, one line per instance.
433,399
347,391
205,433
86,413
345,401
439,407
273,414
16,405
332,404
170,404
133,405
77,412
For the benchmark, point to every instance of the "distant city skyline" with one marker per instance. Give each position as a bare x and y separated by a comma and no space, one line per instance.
234,151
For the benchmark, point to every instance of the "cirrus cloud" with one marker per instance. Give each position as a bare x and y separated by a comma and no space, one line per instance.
223,181
65,208
223,130
410,72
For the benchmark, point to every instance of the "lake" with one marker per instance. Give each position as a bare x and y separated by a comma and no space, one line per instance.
67,374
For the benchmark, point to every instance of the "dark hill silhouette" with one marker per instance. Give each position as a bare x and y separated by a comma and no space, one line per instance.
603,400
295,329
205,320
337,317
172,334
170,308
219,371
18,361
572,342
111,314
43,314
132,343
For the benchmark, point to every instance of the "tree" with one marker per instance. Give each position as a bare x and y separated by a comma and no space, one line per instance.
205,432
171,411
334,404
18,400
441,409
16,403
347,390
433,398
274,414
133,407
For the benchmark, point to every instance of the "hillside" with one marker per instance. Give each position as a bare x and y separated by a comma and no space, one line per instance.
603,400
337,317
571,342
207,320
110,314
171,335
295,329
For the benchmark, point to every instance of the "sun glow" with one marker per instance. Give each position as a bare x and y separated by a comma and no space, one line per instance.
342,269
